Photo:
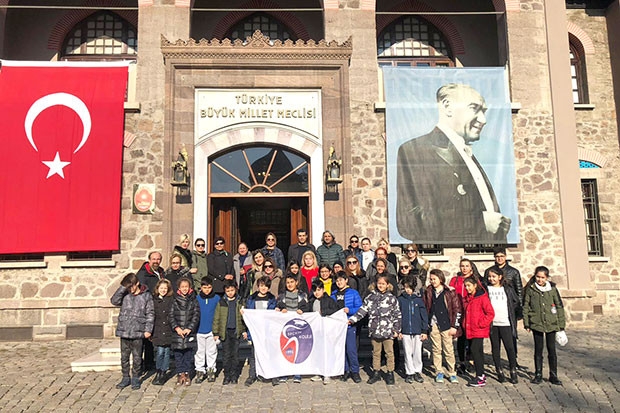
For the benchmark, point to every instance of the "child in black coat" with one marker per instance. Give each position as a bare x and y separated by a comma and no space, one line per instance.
162,333
323,304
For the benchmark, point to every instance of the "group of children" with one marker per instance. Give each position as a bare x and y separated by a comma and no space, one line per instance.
191,324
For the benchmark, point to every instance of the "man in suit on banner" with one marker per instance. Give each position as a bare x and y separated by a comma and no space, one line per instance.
443,193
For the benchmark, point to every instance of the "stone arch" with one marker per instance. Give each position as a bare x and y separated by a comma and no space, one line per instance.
292,23
73,17
580,38
443,24
592,156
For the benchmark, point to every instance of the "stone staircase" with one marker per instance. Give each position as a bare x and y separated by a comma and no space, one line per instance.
108,358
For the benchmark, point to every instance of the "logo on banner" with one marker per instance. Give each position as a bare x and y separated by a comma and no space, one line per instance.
296,341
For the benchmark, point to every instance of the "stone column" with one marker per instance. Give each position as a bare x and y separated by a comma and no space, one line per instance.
364,189
575,247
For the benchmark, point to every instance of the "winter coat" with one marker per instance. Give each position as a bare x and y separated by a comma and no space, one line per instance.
419,271
348,298
308,275
359,283
242,280
479,315
207,305
302,301
296,251
276,280
221,318
329,254
458,284
186,256
148,277
371,271
328,305
272,301
277,255
384,316
175,275
415,316
251,305
543,311
199,261
185,314
512,276
137,313
219,264
453,304
513,303
162,333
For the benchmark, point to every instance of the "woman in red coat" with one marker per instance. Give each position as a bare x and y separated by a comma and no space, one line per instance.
479,315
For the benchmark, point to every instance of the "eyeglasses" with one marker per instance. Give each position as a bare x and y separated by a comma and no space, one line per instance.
411,250
267,266
354,241
405,267
270,239
351,262
200,245
219,243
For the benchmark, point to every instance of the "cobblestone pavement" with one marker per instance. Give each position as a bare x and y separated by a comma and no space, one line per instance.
37,377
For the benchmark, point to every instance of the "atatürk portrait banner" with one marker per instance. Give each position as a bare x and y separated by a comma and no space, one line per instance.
450,157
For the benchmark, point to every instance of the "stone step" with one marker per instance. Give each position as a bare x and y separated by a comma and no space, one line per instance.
106,359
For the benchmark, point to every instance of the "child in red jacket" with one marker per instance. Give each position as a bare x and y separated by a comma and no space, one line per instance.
479,315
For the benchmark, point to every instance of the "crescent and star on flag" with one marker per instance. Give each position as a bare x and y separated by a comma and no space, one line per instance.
63,99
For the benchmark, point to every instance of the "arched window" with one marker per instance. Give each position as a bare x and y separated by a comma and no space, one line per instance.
268,25
101,35
578,73
412,41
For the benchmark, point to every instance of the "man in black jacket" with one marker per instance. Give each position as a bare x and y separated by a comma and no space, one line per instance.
296,251
220,266
149,275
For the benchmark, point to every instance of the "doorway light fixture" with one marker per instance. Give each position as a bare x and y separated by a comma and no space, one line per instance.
333,176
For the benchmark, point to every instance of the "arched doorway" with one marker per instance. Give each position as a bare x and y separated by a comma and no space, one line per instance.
255,189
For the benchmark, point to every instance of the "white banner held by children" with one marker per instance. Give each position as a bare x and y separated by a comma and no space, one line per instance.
289,344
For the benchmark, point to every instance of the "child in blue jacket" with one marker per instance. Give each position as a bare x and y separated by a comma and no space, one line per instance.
207,346
348,299
414,329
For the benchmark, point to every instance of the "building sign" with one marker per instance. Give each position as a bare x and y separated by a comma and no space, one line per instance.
143,198
219,109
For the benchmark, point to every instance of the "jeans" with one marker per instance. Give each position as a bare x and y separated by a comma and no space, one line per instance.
149,354
504,335
351,361
133,347
162,358
183,359
230,347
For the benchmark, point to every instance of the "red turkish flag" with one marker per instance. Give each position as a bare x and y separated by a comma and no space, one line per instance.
62,154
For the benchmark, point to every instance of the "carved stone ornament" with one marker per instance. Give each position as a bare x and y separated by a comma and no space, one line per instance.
256,46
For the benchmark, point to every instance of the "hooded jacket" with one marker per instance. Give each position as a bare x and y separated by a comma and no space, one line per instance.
415,316
137,313
384,316
185,314
543,310
328,305
221,318
479,315
162,333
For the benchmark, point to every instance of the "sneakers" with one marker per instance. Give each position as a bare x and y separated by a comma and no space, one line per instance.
480,381
418,378
200,377
454,379
389,378
345,376
126,381
376,376
316,378
282,380
210,375
409,379
275,381
356,377
439,378
327,380
296,379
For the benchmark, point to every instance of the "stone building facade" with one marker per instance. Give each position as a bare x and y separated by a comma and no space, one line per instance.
333,52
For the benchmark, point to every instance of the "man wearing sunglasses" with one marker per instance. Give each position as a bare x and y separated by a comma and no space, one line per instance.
199,262
220,265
